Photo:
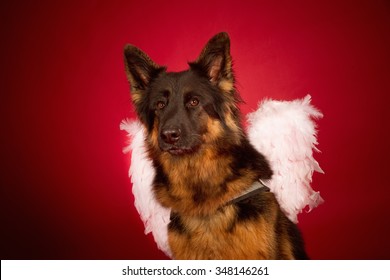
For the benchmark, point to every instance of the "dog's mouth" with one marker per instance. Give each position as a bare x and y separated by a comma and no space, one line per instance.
179,151
180,147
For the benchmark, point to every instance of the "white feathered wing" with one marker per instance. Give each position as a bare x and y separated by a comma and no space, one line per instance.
284,131
141,172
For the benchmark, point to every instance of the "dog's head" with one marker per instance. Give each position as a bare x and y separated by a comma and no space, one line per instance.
184,110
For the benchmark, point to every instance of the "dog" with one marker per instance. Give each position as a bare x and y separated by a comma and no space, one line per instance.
204,164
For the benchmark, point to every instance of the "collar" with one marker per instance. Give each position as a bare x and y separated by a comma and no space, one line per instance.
256,188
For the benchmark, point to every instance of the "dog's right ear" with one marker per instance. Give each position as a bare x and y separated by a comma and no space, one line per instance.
216,63
140,70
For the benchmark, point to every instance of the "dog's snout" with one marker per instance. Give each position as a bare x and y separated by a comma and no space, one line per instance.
171,135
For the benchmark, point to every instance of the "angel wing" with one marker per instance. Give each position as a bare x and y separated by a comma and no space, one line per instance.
284,131
141,172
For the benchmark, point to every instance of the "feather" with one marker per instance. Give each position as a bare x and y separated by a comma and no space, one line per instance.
285,132
154,216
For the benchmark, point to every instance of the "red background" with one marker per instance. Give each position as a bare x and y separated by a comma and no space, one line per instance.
65,193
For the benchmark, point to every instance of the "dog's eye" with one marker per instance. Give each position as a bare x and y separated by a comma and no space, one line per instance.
194,102
160,105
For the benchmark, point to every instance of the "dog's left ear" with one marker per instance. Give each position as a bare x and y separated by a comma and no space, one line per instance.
215,60
140,70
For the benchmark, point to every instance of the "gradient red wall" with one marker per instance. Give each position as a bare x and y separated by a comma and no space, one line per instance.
65,193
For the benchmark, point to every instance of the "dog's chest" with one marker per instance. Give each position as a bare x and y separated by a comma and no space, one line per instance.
211,225
200,237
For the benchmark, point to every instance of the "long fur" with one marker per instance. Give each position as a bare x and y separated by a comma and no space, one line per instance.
202,159
279,129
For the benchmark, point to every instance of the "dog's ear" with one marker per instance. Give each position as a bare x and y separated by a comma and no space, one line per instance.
140,70
215,61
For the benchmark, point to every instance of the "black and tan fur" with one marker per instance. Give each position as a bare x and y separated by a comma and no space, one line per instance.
203,160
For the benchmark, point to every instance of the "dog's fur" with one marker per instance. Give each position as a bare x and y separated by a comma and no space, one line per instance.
203,160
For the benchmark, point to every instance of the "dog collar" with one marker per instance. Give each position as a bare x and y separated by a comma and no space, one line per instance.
256,188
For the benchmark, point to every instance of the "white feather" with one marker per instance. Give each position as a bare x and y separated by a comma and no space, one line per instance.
283,131
141,172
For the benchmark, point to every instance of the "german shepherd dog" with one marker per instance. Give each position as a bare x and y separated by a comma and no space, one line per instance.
203,160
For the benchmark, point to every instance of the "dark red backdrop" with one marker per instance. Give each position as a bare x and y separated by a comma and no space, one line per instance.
64,186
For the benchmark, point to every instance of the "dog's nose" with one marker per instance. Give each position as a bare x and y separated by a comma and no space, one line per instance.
171,135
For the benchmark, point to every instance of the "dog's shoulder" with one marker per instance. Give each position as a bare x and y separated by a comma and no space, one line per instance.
261,204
